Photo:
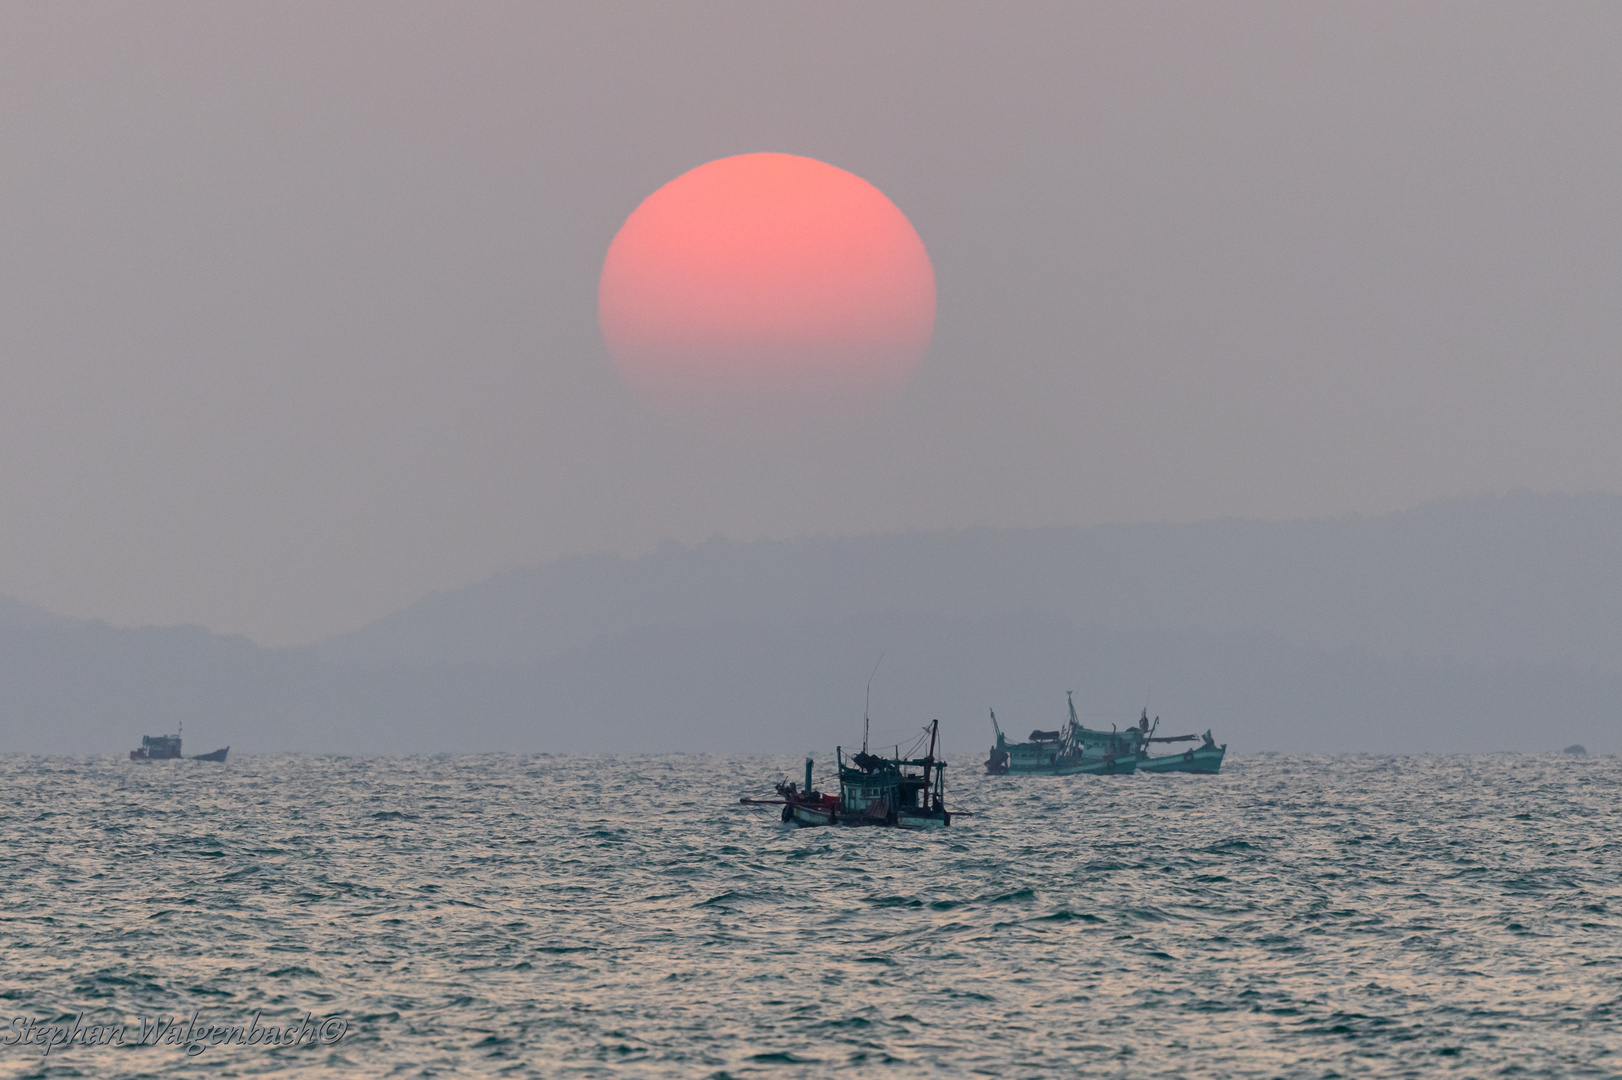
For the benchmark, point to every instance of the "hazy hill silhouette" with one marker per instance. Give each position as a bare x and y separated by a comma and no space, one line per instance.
1522,579
1488,624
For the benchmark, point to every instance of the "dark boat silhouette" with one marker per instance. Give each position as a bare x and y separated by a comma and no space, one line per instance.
874,789
167,748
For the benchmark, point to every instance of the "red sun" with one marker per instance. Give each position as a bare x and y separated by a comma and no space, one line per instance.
766,278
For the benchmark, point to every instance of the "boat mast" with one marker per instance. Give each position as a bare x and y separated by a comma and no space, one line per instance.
1072,736
867,704
929,761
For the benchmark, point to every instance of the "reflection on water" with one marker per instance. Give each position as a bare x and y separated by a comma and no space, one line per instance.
591,916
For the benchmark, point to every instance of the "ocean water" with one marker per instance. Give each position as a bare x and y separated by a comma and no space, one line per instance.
568,916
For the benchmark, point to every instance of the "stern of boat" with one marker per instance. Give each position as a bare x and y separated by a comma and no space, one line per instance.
938,820
1199,760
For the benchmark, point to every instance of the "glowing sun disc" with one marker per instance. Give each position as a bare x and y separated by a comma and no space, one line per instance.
766,277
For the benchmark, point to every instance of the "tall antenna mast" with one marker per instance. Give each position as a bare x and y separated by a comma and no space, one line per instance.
867,705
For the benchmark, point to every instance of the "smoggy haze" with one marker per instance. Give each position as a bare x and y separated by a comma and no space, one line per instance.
298,301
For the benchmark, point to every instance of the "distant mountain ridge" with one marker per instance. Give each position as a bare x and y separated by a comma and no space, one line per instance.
1519,579
781,687
1471,625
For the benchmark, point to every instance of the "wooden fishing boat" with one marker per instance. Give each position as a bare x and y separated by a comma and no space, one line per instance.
1070,751
1205,758
874,789
167,748
1078,749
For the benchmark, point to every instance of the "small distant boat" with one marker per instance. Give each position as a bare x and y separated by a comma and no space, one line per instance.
167,748
899,792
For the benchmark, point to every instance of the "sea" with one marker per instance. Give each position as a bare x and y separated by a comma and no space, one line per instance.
516,916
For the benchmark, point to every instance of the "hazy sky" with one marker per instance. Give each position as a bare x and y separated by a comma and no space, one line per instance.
297,301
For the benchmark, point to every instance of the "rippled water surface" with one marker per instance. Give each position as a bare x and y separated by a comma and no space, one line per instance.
516,916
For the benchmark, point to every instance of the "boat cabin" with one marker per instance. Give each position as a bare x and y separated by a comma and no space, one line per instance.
884,789
158,747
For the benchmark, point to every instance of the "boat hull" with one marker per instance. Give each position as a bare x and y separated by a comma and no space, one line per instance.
813,815
1198,760
808,815
1072,767
901,821
828,813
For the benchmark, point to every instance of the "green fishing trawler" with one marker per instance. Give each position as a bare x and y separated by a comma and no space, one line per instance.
900,792
1070,751
1075,749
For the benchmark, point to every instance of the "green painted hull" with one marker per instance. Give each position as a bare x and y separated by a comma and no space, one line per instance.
1199,760
1073,767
